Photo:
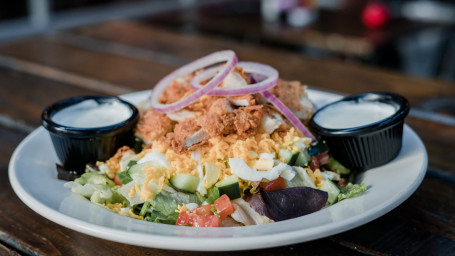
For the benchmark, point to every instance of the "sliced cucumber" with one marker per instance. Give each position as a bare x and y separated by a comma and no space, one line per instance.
229,186
287,156
331,189
303,159
185,182
338,167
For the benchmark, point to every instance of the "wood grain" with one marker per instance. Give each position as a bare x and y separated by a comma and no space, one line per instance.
422,225
23,97
125,72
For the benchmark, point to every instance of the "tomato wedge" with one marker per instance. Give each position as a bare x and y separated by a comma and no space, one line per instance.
276,184
223,206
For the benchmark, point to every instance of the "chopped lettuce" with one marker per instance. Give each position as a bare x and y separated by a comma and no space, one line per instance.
212,195
124,177
95,179
352,190
162,209
96,187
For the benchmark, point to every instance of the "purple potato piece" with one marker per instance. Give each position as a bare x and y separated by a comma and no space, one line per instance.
293,202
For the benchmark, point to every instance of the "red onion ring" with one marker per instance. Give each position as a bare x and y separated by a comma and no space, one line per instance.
249,67
214,58
288,113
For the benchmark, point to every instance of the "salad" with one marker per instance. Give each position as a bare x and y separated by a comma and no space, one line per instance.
220,143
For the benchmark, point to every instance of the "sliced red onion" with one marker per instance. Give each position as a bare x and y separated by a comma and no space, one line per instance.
227,56
269,72
288,113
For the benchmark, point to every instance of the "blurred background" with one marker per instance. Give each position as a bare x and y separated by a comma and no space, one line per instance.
416,37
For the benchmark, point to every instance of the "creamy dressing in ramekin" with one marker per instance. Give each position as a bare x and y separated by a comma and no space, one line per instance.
91,114
351,114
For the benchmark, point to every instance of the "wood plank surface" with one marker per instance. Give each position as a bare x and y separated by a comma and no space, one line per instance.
125,54
23,97
118,70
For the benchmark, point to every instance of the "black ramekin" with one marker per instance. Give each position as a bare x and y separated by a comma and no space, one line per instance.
368,146
75,147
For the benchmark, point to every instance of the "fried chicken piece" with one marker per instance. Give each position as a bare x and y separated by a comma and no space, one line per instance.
247,120
216,124
244,100
220,106
293,95
178,89
153,125
182,131
202,104
289,92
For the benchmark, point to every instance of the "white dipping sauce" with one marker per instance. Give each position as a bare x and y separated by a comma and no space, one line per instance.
91,114
350,114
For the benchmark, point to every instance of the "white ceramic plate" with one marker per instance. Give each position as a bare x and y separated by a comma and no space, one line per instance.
33,177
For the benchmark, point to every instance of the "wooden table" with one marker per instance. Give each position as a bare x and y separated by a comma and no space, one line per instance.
122,56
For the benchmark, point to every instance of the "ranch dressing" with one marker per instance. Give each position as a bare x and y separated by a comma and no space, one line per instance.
350,114
91,114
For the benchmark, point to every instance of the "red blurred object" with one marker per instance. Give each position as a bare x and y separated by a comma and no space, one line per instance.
375,15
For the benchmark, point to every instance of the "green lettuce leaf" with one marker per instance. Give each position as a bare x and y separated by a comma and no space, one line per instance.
352,190
212,195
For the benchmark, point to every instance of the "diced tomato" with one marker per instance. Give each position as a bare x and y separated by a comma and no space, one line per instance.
203,210
273,185
314,165
205,220
323,158
117,181
224,206
184,219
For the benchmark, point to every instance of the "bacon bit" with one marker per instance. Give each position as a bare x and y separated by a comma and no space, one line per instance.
177,90
114,162
282,130
153,126
248,119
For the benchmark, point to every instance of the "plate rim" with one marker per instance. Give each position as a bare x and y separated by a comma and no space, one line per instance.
191,243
